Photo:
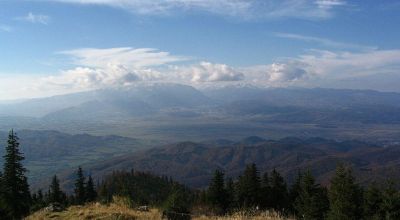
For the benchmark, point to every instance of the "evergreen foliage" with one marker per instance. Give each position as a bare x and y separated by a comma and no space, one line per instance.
55,193
344,196
279,194
372,206
91,193
248,187
391,202
16,196
80,194
177,205
217,196
311,201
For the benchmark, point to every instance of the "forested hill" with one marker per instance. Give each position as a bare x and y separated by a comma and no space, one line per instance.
193,163
47,152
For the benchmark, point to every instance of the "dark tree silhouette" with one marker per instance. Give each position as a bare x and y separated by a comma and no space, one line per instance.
91,193
344,196
217,195
16,196
80,194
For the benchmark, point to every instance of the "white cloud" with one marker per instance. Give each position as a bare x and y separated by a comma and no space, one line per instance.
97,68
35,18
209,72
326,67
324,41
245,9
83,78
122,56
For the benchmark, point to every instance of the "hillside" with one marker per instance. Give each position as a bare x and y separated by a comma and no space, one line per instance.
118,211
193,163
47,152
174,112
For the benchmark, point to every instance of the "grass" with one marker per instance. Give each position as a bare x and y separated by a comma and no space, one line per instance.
121,212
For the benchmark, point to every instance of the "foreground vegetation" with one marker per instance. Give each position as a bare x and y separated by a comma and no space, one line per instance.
121,211
256,196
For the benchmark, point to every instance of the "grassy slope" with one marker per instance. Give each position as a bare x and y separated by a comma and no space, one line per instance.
114,211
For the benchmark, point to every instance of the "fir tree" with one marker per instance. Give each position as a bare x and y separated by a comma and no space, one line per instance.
344,196
230,194
55,193
248,187
177,206
294,192
15,185
311,202
80,194
373,203
2,196
91,193
279,194
216,193
265,191
391,202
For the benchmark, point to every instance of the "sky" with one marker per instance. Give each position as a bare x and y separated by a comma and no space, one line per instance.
50,47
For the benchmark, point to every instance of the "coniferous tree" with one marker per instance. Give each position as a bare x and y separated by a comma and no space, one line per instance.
344,196
55,193
294,192
91,193
177,206
248,187
2,202
15,184
279,194
373,203
391,202
230,193
80,194
265,191
311,201
217,194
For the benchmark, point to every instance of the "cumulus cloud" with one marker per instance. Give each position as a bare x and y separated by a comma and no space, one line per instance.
245,9
97,68
35,18
210,72
87,78
286,72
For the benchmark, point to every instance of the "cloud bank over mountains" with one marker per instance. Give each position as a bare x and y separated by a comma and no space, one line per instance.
114,67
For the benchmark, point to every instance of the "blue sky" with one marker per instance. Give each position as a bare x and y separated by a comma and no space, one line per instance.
59,46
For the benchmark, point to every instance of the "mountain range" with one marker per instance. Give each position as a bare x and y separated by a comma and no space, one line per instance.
177,112
194,163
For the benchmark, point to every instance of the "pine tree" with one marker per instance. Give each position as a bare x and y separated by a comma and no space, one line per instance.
391,202
373,203
177,206
344,196
15,184
230,194
2,202
265,191
80,195
91,193
294,192
248,187
311,202
217,194
55,193
279,194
